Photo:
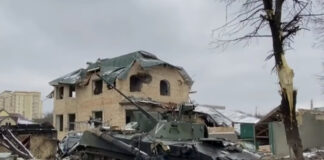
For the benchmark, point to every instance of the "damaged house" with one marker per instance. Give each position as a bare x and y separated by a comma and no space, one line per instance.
270,131
84,94
12,119
226,123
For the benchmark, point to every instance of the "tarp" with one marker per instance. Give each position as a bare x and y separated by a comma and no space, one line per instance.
112,68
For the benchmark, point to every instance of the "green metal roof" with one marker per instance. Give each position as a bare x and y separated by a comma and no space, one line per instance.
112,68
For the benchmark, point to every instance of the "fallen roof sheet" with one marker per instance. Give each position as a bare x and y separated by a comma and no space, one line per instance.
118,67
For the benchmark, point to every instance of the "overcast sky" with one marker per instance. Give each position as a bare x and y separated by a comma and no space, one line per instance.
42,40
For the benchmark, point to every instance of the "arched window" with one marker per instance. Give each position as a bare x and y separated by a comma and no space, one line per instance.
164,88
135,84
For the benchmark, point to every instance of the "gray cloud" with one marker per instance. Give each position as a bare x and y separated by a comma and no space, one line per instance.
41,40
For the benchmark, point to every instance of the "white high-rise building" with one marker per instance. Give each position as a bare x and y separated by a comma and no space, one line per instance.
28,104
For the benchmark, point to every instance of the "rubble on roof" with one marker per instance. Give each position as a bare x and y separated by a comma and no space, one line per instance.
111,69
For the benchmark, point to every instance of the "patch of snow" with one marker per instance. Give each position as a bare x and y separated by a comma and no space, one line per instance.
73,77
23,121
309,154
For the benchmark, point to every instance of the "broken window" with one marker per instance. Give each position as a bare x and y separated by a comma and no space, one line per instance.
71,123
135,84
72,92
59,92
129,116
136,81
164,88
59,122
97,118
97,87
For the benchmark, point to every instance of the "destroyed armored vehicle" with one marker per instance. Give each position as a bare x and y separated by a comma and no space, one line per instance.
170,137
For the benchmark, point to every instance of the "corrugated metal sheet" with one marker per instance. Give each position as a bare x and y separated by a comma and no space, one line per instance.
225,116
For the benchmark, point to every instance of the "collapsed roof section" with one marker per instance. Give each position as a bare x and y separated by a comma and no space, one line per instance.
226,117
112,68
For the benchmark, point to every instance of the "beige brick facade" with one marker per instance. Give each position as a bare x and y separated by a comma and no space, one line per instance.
85,102
28,104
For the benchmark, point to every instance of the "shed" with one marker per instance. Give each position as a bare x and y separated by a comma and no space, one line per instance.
242,122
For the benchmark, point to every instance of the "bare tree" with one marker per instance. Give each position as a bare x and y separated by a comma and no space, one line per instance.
319,26
279,20
48,118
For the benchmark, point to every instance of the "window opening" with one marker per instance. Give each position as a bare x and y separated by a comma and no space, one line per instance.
97,87
59,122
59,92
135,84
71,122
97,118
72,92
164,88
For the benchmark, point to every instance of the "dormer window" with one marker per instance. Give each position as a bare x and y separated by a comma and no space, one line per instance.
164,88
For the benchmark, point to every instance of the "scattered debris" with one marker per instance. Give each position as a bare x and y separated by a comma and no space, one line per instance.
170,138
314,154
10,142
309,154
29,141
270,130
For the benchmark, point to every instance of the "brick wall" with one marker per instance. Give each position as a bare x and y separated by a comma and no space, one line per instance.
86,102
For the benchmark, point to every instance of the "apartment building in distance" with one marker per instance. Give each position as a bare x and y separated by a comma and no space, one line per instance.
87,93
28,104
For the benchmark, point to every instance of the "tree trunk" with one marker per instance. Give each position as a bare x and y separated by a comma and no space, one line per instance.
291,126
285,75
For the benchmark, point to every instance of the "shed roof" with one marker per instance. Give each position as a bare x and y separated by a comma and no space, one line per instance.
112,68
273,115
226,116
